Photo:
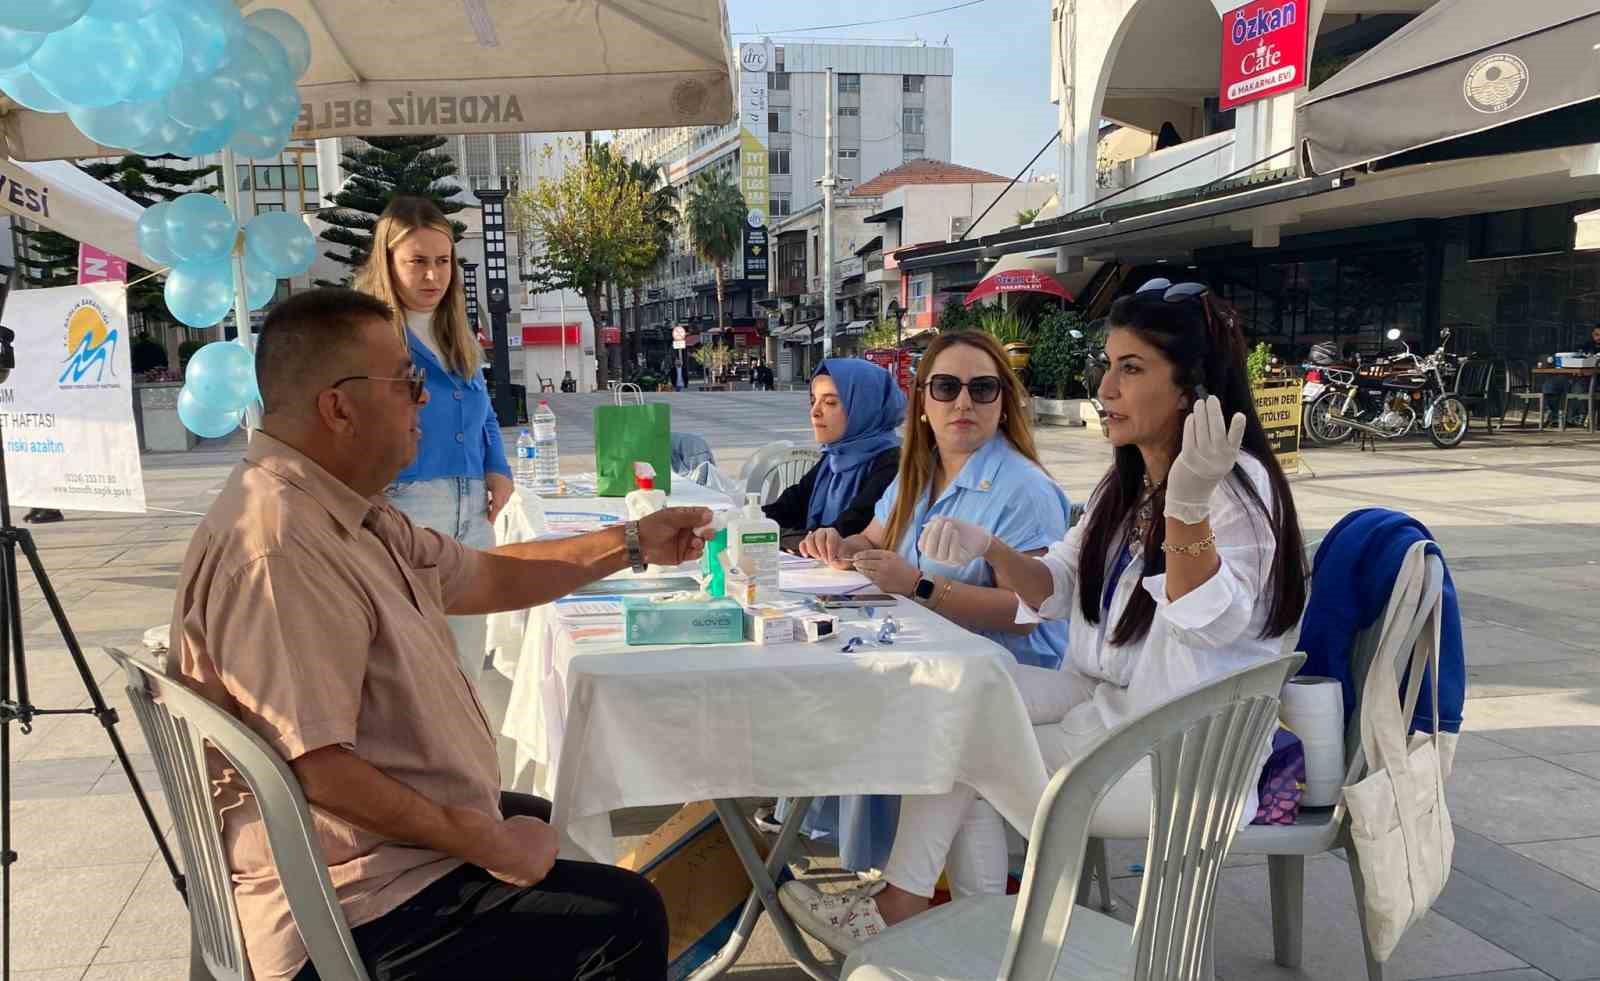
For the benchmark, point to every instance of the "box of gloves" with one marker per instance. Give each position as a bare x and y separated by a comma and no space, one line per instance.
647,620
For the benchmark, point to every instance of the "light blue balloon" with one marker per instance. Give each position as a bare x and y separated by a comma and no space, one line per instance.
26,90
153,234
280,243
259,285
200,292
204,421
200,226
43,16
205,28
206,141
91,64
17,46
123,9
257,146
221,376
205,104
125,124
271,51
296,42
158,39
169,136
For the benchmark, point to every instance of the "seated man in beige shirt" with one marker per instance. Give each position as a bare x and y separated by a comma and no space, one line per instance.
315,612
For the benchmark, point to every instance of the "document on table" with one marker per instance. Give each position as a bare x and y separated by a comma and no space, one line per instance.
797,574
577,522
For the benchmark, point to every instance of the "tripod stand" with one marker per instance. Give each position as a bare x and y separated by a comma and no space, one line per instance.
21,710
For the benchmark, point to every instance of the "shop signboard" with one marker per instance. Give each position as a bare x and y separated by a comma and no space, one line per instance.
1264,50
1278,408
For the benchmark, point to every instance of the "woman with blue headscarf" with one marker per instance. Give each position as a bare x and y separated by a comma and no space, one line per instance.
856,408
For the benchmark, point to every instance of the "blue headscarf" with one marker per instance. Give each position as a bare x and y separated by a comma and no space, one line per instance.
873,407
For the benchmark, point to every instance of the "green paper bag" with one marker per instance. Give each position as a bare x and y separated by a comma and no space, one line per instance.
625,434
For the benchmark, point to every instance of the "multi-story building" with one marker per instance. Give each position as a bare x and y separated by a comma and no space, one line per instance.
891,105
1343,169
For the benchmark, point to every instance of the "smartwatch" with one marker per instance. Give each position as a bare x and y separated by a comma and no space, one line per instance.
630,537
923,591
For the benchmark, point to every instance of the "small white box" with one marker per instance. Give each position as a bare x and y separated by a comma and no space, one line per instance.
818,626
766,625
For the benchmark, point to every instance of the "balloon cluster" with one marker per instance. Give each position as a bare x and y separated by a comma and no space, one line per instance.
186,77
218,384
195,235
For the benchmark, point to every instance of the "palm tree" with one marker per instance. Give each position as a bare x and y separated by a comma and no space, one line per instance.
661,211
715,213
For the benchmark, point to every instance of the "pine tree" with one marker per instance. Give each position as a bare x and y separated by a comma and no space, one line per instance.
379,168
51,258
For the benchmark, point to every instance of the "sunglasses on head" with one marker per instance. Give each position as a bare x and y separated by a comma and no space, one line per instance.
1173,293
947,388
414,378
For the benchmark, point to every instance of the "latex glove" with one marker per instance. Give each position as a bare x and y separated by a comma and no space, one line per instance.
950,541
1208,455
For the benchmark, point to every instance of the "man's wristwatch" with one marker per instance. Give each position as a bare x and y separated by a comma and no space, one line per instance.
923,591
630,536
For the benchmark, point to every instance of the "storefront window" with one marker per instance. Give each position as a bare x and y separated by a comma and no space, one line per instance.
1351,299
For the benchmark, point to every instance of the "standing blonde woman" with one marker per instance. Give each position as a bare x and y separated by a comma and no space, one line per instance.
460,479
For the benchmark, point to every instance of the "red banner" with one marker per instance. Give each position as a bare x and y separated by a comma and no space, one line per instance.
610,335
1263,50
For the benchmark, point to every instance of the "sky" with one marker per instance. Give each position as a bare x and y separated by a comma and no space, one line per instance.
1002,112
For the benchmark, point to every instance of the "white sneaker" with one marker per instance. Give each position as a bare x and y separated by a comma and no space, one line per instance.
843,921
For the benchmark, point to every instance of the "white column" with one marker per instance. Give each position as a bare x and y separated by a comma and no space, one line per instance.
828,183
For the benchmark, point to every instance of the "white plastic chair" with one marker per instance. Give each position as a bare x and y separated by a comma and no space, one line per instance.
762,458
781,472
1319,830
180,727
1203,748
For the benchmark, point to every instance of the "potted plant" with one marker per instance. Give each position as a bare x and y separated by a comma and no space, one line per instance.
1061,349
1012,333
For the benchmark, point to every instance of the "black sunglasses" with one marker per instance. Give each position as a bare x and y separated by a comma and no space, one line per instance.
1174,293
415,379
947,388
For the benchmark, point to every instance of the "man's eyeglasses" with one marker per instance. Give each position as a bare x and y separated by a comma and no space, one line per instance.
947,388
1171,293
414,378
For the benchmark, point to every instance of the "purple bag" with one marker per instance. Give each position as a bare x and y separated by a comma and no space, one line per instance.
1282,781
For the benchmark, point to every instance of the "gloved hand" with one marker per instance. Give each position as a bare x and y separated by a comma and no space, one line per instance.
950,541
1208,454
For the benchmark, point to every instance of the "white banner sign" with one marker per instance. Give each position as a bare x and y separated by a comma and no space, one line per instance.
66,412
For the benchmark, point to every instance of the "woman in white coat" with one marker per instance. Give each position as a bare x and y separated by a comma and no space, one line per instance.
1187,565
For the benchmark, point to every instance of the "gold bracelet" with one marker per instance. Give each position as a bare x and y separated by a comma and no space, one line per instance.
1193,548
943,594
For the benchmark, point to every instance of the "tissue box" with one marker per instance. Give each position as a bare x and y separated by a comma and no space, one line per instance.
768,625
714,621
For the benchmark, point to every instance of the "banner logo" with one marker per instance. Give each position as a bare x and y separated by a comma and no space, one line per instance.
91,344
1495,83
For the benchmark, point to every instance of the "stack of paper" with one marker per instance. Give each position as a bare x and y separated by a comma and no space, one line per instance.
801,575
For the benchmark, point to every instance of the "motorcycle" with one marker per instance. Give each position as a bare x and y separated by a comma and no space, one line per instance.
1392,397
1095,364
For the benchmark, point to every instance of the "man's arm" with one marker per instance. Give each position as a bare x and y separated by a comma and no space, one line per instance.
518,850
515,577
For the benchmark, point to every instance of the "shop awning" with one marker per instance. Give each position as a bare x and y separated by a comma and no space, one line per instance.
853,327
1465,78
1020,274
408,67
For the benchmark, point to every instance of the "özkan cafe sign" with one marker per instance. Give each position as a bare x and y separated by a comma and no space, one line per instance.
1264,50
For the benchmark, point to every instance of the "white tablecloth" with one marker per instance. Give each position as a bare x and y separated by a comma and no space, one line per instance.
601,726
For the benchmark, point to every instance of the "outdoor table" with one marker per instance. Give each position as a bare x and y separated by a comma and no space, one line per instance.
611,726
1561,413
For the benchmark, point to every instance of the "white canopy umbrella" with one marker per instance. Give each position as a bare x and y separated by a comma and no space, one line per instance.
62,198
479,66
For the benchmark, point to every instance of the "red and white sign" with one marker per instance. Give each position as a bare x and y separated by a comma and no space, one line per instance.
610,335
99,266
1263,50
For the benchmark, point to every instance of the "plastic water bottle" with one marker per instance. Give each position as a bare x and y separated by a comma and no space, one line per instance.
547,458
522,467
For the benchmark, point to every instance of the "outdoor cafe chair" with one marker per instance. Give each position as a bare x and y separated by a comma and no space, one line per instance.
1203,748
181,728
1521,388
772,473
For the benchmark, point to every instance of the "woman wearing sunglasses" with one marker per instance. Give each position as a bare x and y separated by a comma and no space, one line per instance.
1186,566
460,479
968,454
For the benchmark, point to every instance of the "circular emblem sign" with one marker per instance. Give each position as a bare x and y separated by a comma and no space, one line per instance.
1495,83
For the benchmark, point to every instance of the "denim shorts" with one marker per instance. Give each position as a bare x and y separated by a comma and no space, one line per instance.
458,507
